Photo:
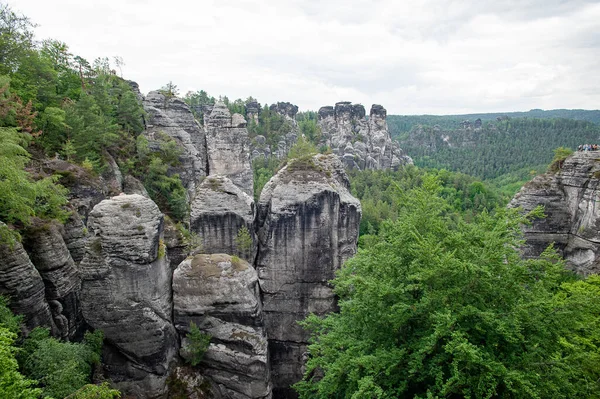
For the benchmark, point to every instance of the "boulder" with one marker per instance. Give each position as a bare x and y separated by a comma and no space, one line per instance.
307,227
220,294
126,293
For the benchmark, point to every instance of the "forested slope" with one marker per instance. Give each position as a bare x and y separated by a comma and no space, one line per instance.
400,124
497,148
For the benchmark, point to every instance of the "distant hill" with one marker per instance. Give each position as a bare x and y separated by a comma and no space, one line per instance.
495,148
399,124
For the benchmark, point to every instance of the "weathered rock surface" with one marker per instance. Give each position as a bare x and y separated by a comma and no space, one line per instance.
22,284
172,116
221,296
229,147
572,223
51,257
307,226
126,292
358,142
219,210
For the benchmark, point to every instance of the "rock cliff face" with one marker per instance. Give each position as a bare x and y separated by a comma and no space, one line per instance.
50,256
570,198
228,147
172,117
219,210
126,293
259,145
358,142
220,294
22,284
307,227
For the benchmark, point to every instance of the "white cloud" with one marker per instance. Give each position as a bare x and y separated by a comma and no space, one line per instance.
412,57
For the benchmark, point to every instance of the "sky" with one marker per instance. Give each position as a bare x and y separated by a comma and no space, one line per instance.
413,57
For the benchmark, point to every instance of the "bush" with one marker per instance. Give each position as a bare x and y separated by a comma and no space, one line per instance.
198,343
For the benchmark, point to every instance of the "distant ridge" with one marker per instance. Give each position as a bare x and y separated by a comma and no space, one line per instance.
399,124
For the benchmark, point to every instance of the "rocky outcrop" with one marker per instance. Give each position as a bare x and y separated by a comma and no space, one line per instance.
51,257
220,294
252,112
307,227
228,147
572,220
173,118
358,142
218,213
126,293
22,284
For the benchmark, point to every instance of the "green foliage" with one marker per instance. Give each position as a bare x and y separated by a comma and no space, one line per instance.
13,385
307,123
303,149
198,343
243,242
196,101
560,154
439,307
378,190
167,191
102,391
169,90
263,169
499,147
20,197
61,367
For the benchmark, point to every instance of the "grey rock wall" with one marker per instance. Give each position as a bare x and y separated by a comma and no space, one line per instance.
570,199
221,296
172,117
219,210
22,284
360,143
307,227
51,257
126,293
229,147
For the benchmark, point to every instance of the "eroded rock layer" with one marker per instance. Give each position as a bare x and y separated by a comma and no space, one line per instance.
307,226
22,284
173,118
220,294
229,147
359,142
219,212
570,197
126,292
51,257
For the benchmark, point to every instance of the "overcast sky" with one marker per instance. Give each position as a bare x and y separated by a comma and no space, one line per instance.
436,57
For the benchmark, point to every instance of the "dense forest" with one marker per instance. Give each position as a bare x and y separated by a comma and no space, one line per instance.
400,124
507,152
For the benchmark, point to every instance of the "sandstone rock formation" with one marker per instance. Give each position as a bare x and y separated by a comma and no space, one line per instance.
228,147
219,210
50,256
570,198
172,117
358,142
126,292
220,294
22,284
307,226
